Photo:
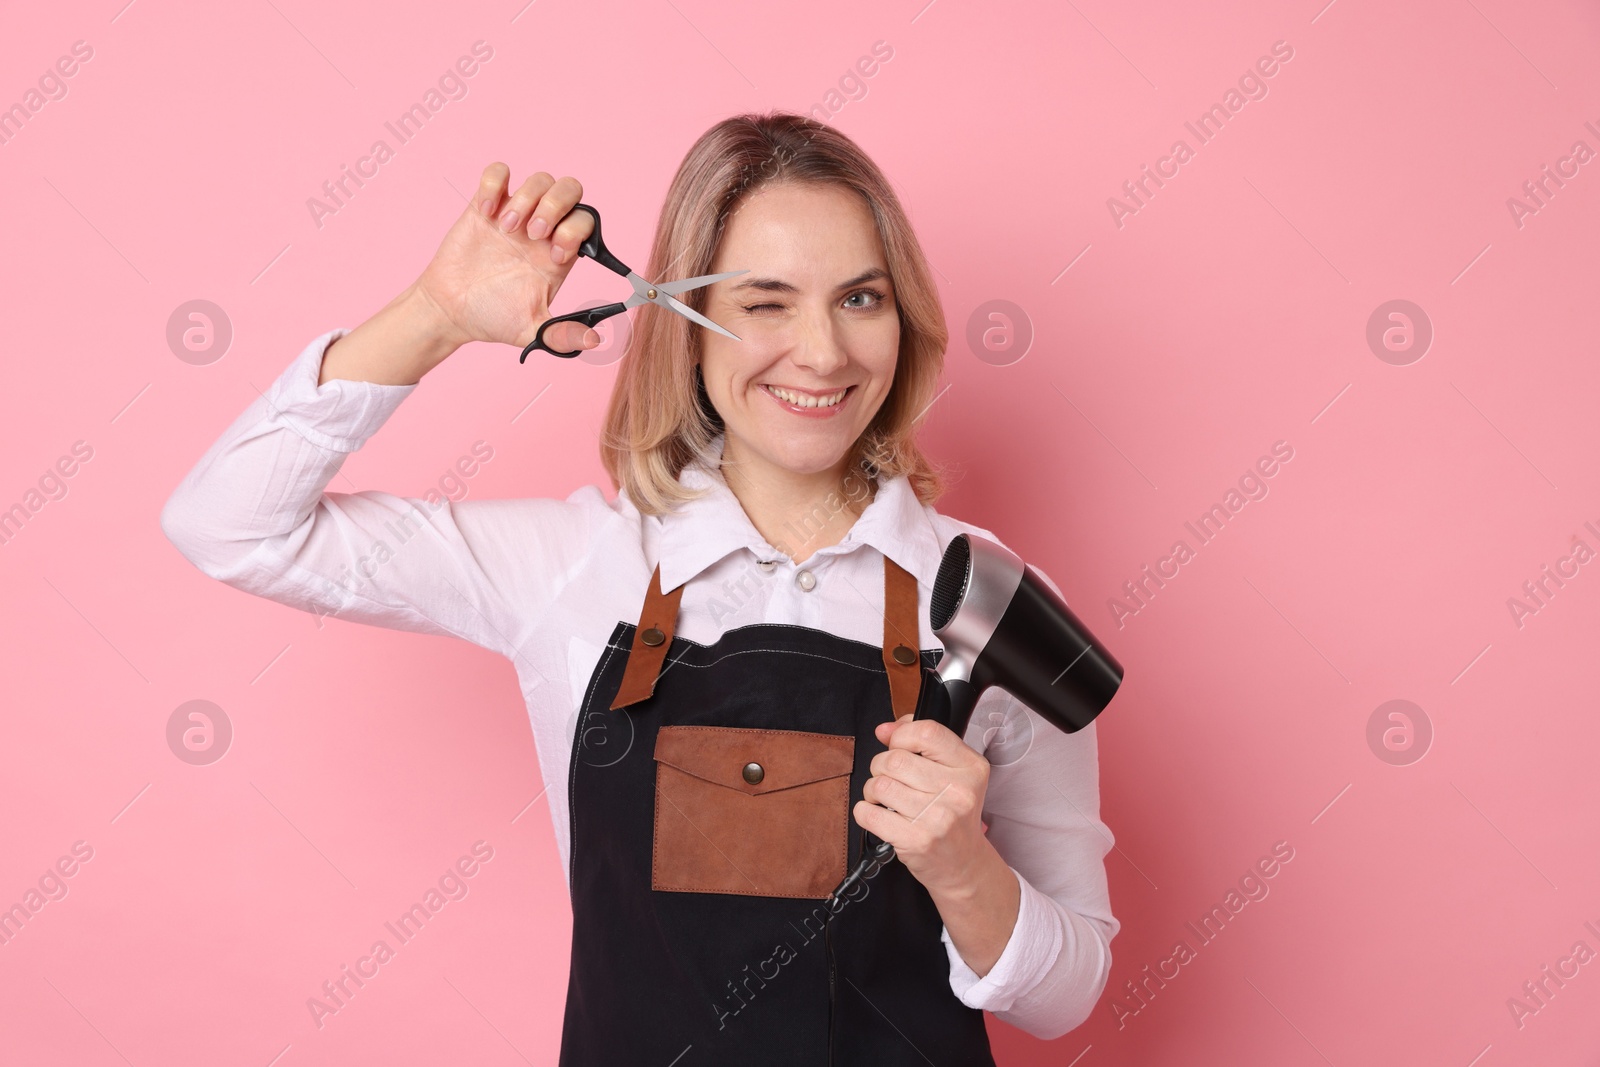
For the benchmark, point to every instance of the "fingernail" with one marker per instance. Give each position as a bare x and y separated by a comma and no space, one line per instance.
508,221
557,254
487,207
590,338
538,228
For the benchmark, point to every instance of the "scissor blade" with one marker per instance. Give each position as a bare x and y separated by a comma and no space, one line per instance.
663,297
681,287
694,316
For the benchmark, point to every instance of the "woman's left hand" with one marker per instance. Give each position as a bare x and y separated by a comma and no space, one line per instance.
930,785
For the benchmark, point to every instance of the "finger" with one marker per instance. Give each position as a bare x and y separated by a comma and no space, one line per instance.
909,767
885,729
882,822
491,187
520,206
895,795
572,232
571,337
904,834
553,217
931,739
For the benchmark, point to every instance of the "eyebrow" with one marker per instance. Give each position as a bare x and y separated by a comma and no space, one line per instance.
777,285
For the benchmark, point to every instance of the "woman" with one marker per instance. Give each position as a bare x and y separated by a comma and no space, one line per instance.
721,666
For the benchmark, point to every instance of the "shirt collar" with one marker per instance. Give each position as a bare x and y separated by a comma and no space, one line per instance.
702,531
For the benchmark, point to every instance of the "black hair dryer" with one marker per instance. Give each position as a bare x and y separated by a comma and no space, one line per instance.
1001,625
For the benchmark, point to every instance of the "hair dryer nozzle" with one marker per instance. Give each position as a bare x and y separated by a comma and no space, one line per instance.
1002,625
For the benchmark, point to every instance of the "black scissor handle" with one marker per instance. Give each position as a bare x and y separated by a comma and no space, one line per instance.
594,246
590,318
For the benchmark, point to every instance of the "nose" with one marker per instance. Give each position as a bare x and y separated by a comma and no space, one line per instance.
817,346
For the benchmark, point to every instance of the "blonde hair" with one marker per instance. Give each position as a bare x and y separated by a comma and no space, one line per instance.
660,418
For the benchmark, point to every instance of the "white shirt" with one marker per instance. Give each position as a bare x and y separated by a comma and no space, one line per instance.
544,582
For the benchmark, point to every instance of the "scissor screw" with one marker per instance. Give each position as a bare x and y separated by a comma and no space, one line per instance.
651,293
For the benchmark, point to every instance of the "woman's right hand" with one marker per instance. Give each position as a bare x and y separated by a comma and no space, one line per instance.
503,261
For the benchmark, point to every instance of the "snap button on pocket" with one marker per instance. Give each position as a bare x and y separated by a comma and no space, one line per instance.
753,773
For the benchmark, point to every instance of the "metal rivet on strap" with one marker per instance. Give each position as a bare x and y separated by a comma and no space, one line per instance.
652,637
904,655
753,773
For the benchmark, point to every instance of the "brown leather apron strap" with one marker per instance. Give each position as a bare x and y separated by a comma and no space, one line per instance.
651,639
901,658
901,637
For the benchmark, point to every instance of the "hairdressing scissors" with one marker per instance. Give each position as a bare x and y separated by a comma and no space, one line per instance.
643,293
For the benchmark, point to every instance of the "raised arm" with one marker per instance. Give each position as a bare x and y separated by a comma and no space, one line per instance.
254,512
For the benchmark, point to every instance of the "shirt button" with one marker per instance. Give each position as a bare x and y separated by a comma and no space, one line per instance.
766,564
806,580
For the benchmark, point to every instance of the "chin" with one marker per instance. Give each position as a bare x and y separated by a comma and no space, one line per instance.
806,456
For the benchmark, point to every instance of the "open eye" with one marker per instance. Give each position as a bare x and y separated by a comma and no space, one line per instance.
877,298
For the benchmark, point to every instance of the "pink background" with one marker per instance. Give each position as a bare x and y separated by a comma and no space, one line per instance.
1168,354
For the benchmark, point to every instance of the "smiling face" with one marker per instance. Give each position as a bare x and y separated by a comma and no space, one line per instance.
820,333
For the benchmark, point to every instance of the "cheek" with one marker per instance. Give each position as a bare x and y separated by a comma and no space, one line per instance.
732,368
763,338
749,360
878,348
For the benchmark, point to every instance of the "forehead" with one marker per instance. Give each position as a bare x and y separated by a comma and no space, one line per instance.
803,229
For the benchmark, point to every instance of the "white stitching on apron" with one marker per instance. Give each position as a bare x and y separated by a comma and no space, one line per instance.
790,651
572,766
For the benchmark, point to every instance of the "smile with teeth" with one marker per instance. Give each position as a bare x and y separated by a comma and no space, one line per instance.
806,400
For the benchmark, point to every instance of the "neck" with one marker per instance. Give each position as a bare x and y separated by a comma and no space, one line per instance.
797,513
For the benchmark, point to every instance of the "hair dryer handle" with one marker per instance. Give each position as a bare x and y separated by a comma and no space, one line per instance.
951,704
963,698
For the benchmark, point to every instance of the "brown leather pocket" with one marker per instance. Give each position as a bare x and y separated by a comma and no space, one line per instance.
785,835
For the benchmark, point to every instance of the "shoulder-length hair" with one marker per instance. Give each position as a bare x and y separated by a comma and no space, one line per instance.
660,418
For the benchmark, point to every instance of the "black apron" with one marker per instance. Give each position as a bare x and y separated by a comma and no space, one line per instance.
711,791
